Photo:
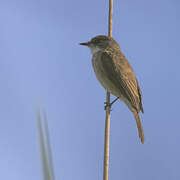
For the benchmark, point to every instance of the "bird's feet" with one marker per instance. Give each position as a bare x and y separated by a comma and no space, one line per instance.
107,105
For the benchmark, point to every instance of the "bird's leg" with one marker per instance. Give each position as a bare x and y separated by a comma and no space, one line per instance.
114,101
110,104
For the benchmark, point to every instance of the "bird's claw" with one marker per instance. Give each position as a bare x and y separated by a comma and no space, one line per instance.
107,105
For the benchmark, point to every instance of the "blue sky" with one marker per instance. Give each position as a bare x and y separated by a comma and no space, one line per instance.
40,59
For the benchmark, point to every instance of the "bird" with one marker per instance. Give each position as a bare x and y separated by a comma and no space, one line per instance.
116,75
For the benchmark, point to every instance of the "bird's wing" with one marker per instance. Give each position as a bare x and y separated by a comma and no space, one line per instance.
119,71
140,98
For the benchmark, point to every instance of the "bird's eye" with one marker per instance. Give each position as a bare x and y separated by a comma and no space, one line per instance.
95,41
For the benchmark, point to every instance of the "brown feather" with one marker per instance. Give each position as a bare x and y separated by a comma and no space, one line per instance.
139,126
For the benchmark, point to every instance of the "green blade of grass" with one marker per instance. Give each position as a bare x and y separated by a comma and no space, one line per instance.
48,147
45,150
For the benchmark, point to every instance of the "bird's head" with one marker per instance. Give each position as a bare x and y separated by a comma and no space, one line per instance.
100,43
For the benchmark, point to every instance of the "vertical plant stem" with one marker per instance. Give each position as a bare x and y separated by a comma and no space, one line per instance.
108,107
107,136
110,18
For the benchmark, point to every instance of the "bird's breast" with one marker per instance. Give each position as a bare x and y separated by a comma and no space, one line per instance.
102,75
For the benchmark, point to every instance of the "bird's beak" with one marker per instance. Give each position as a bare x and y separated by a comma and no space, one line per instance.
85,44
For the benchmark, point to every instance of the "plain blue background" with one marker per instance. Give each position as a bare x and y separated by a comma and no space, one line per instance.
40,59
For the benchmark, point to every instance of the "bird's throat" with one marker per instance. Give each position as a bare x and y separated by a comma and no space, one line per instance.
94,49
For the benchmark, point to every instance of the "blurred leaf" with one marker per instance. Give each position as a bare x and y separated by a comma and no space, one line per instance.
45,149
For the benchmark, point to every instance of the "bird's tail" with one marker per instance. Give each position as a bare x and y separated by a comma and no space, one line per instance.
139,126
